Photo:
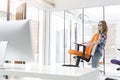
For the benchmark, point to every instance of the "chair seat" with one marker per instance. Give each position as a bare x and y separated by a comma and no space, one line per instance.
79,53
87,52
114,61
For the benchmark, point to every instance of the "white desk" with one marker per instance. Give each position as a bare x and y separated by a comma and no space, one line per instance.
53,73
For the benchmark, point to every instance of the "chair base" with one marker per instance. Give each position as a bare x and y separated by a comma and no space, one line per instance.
118,69
70,65
110,79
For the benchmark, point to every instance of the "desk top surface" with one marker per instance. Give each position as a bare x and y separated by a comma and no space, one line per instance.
53,70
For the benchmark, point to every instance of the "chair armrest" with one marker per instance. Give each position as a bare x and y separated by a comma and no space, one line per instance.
84,47
80,44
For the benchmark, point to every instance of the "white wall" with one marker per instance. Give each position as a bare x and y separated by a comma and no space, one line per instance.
75,4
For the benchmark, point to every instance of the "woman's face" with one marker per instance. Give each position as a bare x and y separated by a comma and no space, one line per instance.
100,26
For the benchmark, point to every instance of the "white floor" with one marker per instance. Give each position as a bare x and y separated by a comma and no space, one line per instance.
110,72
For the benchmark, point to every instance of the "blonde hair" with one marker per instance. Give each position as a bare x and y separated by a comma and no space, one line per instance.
104,26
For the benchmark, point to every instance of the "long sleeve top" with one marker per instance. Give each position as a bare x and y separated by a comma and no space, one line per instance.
101,45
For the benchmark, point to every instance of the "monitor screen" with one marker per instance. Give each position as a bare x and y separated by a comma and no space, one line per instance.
18,35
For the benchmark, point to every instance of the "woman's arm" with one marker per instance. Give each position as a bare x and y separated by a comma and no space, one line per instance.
92,43
101,40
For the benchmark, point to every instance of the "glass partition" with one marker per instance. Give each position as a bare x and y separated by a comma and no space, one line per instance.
73,32
112,16
41,24
79,25
57,38
91,18
66,29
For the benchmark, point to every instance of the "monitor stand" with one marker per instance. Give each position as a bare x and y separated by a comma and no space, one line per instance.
3,48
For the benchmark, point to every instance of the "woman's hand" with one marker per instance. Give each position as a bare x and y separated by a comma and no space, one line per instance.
87,44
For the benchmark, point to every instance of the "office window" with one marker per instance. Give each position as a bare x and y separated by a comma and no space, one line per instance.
57,38
91,18
112,17
41,35
73,32
3,10
67,35
65,30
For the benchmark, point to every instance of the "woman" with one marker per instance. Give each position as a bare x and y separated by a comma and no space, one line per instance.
101,40
102,30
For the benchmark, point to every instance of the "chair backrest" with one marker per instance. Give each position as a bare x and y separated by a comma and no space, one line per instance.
89,49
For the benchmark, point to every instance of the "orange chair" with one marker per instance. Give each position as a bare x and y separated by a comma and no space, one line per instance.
86,53
88,50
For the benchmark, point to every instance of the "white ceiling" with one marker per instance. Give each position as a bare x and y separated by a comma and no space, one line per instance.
94,14
76,4
68,4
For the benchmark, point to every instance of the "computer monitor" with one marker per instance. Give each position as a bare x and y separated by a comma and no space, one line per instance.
18,35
